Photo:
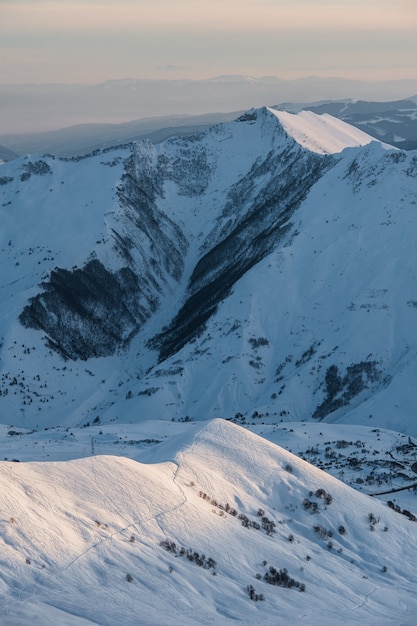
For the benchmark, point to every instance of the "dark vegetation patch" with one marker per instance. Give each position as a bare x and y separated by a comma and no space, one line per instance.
340,390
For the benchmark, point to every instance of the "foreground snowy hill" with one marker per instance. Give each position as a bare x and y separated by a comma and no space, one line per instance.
223,526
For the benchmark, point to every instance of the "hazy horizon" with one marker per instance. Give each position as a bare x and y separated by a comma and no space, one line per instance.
226,77
82,43
89,42
29,108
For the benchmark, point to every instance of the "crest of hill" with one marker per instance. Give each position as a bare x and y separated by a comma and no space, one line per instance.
323,134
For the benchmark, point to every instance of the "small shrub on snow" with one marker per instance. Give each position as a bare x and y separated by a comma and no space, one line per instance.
253,595
322,532
372,521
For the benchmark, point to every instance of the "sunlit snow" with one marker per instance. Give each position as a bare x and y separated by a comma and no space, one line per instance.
324,134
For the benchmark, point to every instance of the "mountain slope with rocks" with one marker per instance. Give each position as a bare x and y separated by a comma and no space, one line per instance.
264,265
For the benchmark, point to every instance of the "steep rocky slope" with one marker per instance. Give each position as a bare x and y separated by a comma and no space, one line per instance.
264,266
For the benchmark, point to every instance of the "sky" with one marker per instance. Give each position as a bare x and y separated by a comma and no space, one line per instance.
89,41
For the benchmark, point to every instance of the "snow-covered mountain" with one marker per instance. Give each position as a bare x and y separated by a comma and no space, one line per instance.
221,527
393,122
264,265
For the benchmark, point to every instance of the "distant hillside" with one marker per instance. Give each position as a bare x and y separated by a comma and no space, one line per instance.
7,155
393,122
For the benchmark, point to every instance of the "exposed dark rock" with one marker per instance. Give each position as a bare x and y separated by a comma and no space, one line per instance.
263,225
93,311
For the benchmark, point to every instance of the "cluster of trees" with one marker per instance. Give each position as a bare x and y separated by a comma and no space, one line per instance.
281,578
313,507
405,512
265,524
192,555
341,389
35,167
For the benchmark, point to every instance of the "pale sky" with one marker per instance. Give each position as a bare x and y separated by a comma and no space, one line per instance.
89,41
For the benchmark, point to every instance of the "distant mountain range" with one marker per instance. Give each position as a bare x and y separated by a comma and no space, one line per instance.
7,155
30,108
393,122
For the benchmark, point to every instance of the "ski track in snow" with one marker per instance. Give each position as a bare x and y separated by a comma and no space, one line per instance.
26,594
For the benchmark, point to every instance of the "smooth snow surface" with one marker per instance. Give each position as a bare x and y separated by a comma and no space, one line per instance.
82,540
324,134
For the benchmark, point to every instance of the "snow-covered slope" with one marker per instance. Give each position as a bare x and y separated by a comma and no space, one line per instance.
321,133
394,122
262,267
192,537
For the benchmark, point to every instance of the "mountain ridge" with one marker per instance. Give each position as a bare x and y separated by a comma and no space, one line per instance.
255,215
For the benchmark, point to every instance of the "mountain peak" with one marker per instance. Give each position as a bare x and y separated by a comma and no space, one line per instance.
323,134
242,255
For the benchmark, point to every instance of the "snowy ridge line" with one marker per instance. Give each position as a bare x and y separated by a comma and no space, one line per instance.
324,134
